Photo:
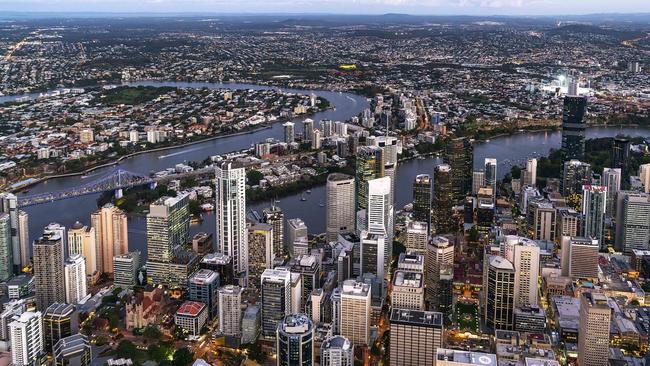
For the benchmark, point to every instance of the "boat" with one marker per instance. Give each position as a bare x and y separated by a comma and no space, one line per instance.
309,191
277,201
321,204
303,198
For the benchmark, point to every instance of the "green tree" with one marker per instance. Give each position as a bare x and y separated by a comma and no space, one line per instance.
126,349
152,332
253,177
183,357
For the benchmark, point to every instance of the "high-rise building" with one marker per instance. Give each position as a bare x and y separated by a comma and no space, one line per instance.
407,290
275,298
18,221
422,199
380,219
230,212
449,357
569,222
575,174
250,324
355,312
611,179
26,339
308,130
443,198
491,175
203,287
644,175
317,141
75,279
83,240
621,155
388,144
593,335
579,257
125,270
417,237
478,181
168,224
111,235
309,269
541,220
260,249
230,313
274,217
6,248
294,341
289,132
459,154
531,172
202,244
594,200
439,256
499,293
369,166
337,351
340,212
632,221
523,253
48,271
573,127
414,336
74,350
296,233
372,248
59,321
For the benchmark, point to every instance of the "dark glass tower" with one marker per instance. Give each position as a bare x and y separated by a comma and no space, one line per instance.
443,199
621,155
422,199
459,154
370,165
573,128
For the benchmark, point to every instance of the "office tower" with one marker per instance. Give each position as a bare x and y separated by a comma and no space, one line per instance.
449,357
274,217
372,249
575,174
289,134
443,198
644,175
369,166
203,287
202,244
612,181
499,293
541,220
340,212
59,321
632,221
594,199
250,324
380,216
294,341
621,155
355,312
531,172
260,249
111,235
422,199
230,212
26,339
416,237
491,175
337,351
478,181
579,257
459,154
168,223
335,299
573,127
11,310
191,317
408,290
295,293
523,253
569,222
388,144
48,271
593,336
75,279
317,141
83,240
275,298
125,270
439,256
18,221
309,269
296,232
74,350
6,248
308,130
414,337
230,310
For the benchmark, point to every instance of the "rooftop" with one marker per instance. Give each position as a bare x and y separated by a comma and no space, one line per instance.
190,308
472,358
416,317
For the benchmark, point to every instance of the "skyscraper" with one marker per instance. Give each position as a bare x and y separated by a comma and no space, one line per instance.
443,199
337,351
439,256
407,290
632,221
294,341
230,212
26,339
75,279
491,175
355,312
83,240
372,249
416,237
388,144
573,127
499,293
593,335
111,235
260,248
594,199
541,220
297,230
59,321
340,212
459,154
644,175
531,172
612,181
125,269
369,166
203,287
168,224
230,310
19,231
523,253
275,298
74,350
621,155
422,199
414,337
274,217
574,175
307,130
6,248
579,257
289,132
48,271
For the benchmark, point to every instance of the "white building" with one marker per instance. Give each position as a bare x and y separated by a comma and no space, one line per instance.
26,338
75,279
340,195
230,310
355,312
523,253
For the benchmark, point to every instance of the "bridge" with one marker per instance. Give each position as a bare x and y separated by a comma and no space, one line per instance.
115,180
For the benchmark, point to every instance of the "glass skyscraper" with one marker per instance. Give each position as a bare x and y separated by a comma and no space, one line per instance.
573,127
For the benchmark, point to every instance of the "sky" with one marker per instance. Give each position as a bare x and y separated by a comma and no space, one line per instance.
415,7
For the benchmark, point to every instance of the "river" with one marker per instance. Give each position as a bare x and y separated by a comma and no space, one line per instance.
507,150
